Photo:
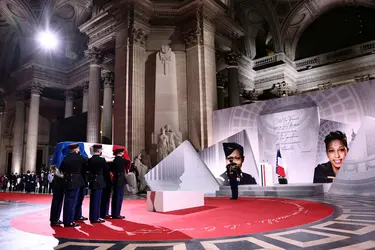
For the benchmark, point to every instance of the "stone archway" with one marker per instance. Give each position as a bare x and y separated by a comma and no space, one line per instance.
304,14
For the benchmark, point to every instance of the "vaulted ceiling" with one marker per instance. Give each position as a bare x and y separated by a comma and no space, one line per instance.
20,20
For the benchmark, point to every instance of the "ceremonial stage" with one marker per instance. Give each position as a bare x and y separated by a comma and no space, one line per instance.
246,223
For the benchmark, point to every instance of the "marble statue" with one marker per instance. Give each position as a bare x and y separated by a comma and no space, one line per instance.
162,145
146,159
173,139
142,171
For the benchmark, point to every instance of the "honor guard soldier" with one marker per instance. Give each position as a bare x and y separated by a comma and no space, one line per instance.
106,195
119,182
57,197
72,166
81,195
96,165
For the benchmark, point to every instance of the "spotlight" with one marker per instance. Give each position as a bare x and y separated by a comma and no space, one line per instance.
47,40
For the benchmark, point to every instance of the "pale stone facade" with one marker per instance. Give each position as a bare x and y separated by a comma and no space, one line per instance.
212,45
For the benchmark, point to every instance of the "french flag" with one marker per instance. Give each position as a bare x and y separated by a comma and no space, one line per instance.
280,171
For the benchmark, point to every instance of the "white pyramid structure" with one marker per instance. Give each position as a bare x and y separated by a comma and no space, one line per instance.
182,170
357,174
215,159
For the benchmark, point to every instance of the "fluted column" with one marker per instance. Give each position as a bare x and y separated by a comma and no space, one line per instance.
85,96
18,134
107,108
69,97
231,59
93,110
2,110
32,127
201,78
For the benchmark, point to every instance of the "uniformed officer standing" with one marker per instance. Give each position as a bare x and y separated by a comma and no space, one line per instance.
57,198
106,194
81,195
96,165
119,182
72,166
234,159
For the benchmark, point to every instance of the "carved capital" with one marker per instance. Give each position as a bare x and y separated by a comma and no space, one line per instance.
85,87
222,78
139,37
232,57
251,95
36,88
69,95
95,55
193,37
282,88
108,78
325,85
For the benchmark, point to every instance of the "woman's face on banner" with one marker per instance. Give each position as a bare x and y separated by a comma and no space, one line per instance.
235,156
336,153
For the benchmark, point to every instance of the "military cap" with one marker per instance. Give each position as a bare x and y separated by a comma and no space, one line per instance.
97,147
118,150
229,147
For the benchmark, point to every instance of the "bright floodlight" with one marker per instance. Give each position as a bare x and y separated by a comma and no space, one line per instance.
47,40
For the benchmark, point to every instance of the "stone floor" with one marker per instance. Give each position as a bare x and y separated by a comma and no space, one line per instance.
351,227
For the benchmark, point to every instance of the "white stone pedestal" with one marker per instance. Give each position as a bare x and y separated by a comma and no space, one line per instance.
165,201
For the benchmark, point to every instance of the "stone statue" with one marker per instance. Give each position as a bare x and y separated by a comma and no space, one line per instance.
162,145
142,170
165,57
146,159
173,140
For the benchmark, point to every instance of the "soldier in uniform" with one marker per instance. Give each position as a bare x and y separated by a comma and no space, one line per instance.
119,182
81,195
57,198
72,166
96,165
106,195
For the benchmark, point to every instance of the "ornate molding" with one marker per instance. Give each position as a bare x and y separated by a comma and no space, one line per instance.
269,79
336,74
108,78
362,78
192,37
282,88
95,55
250,94
36,88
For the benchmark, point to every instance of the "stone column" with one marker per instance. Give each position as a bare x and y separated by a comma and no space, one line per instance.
201,78
222,79
85,97
32,127
18,134
231,59
93,110
129,106
107,108
69,98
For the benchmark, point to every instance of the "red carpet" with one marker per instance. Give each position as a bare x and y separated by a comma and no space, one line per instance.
220,217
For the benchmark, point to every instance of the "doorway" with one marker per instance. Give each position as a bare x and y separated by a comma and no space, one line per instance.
9,163
39,160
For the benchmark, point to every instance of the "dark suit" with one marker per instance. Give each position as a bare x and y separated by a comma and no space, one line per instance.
245,179
119,182
58,188
106,193
72,167
322,171
96,165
